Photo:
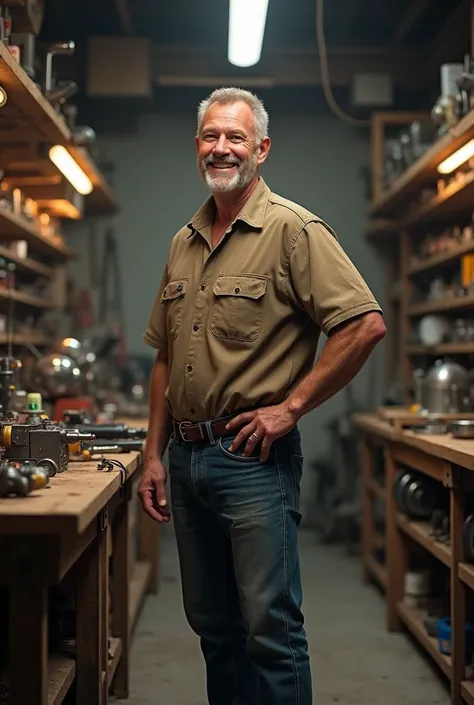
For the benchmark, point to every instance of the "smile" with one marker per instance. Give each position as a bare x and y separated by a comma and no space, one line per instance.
223,166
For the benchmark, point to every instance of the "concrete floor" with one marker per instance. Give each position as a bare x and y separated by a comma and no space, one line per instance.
355,661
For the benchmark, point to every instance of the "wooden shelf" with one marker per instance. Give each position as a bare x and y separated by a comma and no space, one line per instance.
116,653
466,574
61,674
33,338
423,171
420,532
381,226
448,304
467,691
28,264
15,227
26,107
26,299
454,202
413,620
443,349
377,489
377,570
138,586
442,258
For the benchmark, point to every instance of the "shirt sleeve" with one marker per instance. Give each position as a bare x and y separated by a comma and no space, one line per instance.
324,281
156,334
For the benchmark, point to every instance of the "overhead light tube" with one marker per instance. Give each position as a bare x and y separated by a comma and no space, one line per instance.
247,20
68,166
462,155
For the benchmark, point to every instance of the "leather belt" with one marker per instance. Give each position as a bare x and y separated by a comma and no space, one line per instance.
191,432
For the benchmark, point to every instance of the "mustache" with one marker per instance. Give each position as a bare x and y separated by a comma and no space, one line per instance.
222,160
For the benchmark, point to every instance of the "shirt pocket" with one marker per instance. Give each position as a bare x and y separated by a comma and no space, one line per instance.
237,308
172,299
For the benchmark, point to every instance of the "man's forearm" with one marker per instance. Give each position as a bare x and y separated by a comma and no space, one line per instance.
344,354
159,419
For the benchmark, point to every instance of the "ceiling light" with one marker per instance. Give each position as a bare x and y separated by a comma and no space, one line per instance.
247,20
68,166
455,160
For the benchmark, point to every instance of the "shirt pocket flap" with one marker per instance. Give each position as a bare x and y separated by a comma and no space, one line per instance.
248,287
174,289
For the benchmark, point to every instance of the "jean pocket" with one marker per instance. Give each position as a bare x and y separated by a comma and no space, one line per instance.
221,445
297,470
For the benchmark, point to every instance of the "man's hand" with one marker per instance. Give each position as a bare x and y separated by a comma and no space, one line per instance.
264,426
152,491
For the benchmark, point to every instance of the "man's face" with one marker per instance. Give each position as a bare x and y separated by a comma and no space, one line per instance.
228,155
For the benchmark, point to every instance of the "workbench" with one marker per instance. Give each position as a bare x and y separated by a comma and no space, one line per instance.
451,462
68,532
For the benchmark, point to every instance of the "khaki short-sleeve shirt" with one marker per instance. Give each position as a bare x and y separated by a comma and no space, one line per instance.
241,323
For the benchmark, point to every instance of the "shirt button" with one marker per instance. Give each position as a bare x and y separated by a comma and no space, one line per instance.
202,287
189,368
195,328
237,290
180,287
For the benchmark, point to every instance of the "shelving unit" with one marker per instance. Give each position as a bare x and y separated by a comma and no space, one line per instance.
401,219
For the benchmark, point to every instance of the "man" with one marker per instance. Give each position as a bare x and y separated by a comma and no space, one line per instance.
249,284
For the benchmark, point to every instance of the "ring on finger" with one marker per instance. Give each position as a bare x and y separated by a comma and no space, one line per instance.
254,435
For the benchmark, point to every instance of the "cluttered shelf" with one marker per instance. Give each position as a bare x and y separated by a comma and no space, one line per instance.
414,621
452,303
453,253
422,533
424,168
16,227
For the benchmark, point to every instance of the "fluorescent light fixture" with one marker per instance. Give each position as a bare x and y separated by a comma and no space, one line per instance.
462,155
68,166
247,20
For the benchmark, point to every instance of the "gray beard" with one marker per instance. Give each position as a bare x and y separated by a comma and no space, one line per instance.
246,171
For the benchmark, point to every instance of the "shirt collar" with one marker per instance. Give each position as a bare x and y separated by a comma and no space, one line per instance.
253,212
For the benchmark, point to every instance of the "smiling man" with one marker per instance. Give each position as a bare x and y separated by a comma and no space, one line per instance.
250,283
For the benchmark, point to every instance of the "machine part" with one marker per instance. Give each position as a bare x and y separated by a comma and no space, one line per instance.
108,464
125,445
8,367
57,375
62,93
113,432
463,428
468,538
19,479
91,451
63,48
446,389
27,42
40,442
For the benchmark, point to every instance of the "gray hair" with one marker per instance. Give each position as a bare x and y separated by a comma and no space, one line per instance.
234,95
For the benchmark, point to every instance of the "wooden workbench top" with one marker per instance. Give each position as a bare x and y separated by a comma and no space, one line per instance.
69,503
444,446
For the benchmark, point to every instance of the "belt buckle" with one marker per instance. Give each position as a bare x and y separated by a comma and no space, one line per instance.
181,428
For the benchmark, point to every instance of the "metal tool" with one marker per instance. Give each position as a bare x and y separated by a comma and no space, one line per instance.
38,440
462,428
19,479
112,432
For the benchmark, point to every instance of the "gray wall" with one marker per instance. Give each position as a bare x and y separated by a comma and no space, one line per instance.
315,160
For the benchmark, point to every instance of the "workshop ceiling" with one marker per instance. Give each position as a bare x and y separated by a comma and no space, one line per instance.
192,23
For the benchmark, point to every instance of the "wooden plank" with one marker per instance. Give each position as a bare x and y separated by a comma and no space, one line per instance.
420,532
16,227
72,501
138,587
413,620
28,644
121,597
24,96
370,423
414,458
367,465
27,263
377,490
377,570
453,450
443,349
61,673
453,202
114,660
467,691
25,338
466,574
455,303
89,634
441,258
424,169
26,299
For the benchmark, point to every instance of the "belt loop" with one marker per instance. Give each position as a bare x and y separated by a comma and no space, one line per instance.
210,435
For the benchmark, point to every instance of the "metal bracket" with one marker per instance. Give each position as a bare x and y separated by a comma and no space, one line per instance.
103,519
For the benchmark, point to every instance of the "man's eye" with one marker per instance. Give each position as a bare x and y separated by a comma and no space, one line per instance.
236,138
209,137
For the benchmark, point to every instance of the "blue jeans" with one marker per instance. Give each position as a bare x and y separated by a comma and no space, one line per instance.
236,521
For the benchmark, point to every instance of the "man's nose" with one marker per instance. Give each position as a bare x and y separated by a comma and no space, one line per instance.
221,147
